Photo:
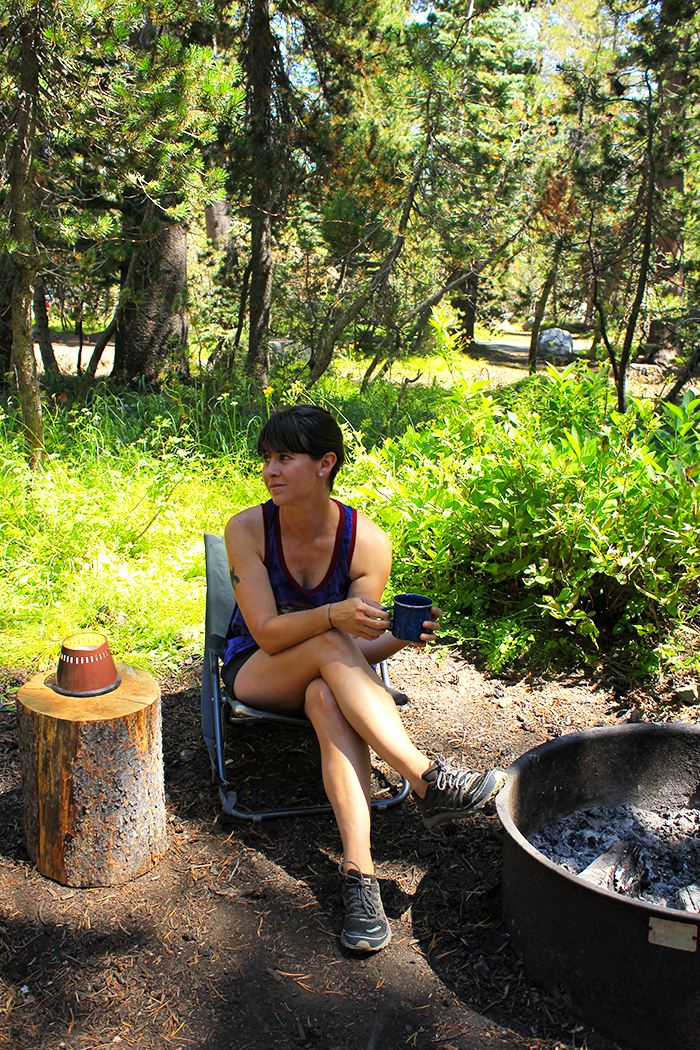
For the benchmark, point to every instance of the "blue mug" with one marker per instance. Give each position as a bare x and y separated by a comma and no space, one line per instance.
408,613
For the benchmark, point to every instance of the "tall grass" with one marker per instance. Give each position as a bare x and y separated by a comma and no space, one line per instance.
109,535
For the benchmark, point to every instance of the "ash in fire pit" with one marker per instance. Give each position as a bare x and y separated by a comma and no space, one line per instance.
627,965
650,854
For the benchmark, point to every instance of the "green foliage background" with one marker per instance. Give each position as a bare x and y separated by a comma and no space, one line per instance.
550,528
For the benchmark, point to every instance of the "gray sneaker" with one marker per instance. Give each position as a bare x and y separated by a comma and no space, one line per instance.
366,927
453,792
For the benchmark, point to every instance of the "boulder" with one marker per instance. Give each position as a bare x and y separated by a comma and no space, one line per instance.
556,343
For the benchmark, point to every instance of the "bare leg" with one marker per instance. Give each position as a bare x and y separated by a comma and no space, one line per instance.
346,773
362,699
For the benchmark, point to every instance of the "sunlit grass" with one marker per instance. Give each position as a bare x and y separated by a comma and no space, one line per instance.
116,548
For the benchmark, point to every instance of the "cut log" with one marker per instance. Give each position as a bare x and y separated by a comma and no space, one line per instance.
619,869
92,778
688,898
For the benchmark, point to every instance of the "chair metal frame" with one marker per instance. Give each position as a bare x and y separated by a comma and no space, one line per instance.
219,711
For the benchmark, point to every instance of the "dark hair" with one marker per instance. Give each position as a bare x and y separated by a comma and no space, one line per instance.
303,428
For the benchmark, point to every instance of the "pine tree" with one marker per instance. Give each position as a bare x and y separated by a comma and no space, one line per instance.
302,67
629,174
123,116
24,38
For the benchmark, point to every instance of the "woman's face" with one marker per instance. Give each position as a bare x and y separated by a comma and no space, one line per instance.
290,476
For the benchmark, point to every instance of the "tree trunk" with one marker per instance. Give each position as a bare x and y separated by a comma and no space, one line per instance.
542,305
101,344
152,332
421,312
92,780
260,59
642,276
24,365
41,323
464,302
686,373
466,305
111,329
21,179
332,332
669,242
242,303
80,335
260,292
218,223
7,279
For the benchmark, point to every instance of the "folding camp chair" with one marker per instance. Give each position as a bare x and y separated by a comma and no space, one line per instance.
219,711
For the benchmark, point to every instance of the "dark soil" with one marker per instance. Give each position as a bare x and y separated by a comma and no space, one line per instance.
232,940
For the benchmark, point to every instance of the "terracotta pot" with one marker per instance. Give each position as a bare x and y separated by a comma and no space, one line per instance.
85,666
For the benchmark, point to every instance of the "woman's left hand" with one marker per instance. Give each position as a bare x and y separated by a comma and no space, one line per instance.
429,628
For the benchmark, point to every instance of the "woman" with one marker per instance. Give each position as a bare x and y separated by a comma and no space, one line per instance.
308,575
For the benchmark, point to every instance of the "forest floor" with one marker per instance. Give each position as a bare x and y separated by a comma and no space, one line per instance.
231,942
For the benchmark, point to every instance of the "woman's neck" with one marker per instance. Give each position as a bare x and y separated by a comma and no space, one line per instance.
310,520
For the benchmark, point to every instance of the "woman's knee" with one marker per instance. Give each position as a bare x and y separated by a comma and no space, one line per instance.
319,701
336,645
324,713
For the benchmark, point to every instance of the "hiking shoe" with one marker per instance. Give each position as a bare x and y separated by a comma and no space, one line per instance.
397,696
366,928
453,792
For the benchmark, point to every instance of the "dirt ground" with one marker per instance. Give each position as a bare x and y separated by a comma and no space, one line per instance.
232,939
66,348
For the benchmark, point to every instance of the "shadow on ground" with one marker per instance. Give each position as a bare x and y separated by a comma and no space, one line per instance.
232,939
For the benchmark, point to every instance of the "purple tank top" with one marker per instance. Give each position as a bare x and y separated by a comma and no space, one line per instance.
289,595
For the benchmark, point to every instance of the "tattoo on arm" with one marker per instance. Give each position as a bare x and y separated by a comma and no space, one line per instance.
234,578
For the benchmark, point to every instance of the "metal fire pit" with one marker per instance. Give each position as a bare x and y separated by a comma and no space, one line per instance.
629,968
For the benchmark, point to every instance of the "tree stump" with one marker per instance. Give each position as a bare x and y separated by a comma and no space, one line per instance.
92,777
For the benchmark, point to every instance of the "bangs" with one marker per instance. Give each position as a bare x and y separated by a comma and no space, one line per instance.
281,434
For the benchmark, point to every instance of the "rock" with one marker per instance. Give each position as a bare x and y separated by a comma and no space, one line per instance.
556,343
687,694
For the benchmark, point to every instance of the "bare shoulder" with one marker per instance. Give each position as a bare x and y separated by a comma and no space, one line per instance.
372,557
245,528
369,534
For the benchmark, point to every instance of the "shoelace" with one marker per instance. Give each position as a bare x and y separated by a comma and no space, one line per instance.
360,903
451,777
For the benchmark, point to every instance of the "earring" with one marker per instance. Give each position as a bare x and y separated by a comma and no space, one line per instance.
320,473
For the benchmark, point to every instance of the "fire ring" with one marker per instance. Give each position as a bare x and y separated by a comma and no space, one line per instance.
629,968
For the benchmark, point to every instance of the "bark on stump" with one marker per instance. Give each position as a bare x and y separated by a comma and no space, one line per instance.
92,778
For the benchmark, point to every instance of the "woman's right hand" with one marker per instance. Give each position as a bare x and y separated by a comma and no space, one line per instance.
361,617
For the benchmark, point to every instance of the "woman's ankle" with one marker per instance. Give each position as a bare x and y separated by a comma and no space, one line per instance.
420,786
365,866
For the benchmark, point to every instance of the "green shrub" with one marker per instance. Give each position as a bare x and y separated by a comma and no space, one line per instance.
546,510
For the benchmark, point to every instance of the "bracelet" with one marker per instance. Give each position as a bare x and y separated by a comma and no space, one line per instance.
329,613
